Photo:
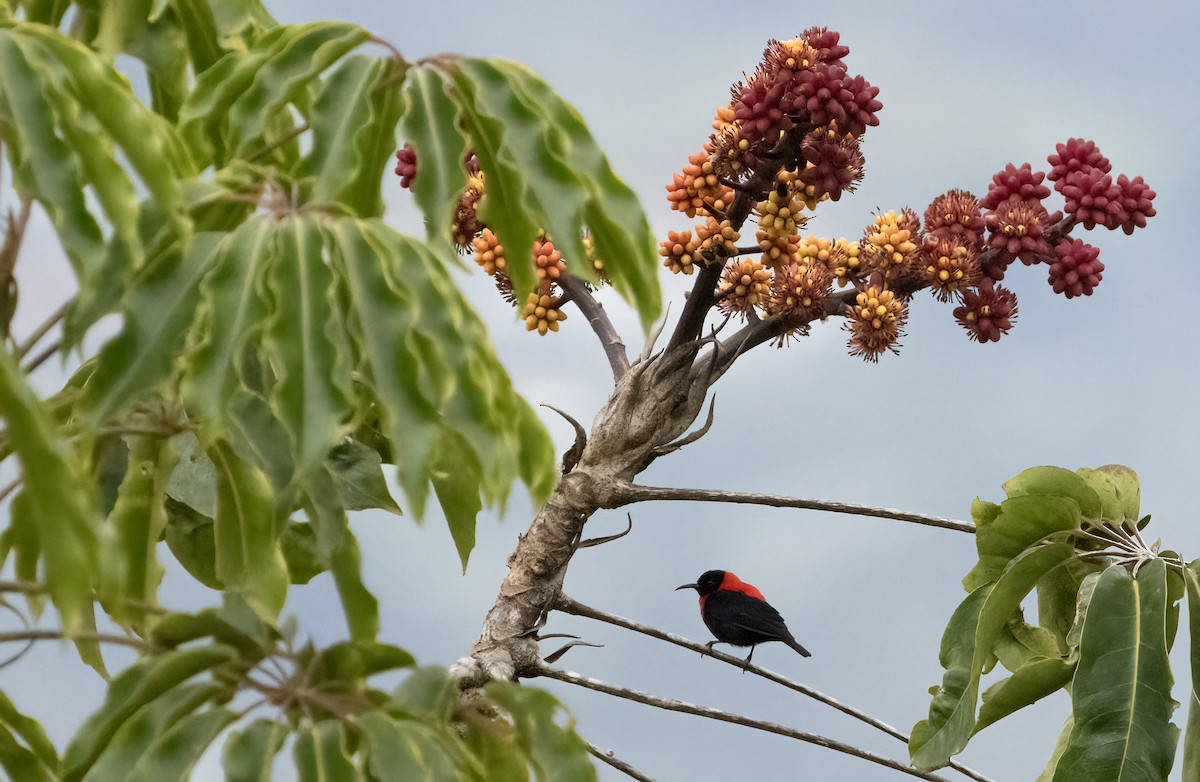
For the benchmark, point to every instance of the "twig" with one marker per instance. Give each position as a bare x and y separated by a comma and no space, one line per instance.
617,763
683,707
622,494
42,330
11,487
40,359
24,587
57,635
570,606
271,147
610,340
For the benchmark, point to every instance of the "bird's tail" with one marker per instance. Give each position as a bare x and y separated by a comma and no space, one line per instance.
792,642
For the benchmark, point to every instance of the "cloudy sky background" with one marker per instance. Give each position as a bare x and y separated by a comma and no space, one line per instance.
1105,379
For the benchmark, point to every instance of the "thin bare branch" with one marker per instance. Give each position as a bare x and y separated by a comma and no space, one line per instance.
24,587
42,330
570,606
617,763
41,358
11,487
721,715
610,340
57,635
628,493
663,450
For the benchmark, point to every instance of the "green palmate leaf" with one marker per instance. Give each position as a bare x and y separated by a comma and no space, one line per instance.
19,762
1054,482
120,23
555,752
158,311
173,755
1021,642
307,350
1121,696
231,313
246,534
326,514
162,46
1060,746
353,120
30,732
358,477
56,503
408,751
360,606
455,480
1119,491
431,127
349,660
134,738
137,686
1034,680
1023,521
1191,739
515,120
196,19
966,646
230,109
137,522
249,753
190,538
428,695
321,755
260,437
299,545
1062,599
234,625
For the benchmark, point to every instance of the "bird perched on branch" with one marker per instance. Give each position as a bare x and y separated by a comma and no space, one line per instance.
738,614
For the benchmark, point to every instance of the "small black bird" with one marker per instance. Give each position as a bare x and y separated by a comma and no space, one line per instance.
738,614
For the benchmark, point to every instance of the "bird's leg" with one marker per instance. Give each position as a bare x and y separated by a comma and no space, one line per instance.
709,646
752,647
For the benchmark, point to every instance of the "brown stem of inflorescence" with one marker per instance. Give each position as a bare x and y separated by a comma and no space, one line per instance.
597,318
721,715
575,608
628,493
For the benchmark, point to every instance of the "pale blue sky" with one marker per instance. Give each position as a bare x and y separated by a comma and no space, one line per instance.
966,89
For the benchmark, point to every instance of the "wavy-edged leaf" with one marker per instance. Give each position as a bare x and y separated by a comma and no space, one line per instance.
1054,482
430,125
427,694
555,752
175,753
1118,489
360,606
1191,738
1023,521
1062,596
139,518
408,751
135,687
358,477
189,536
1060,746
158,309
162,46
19,762
353,121
135,737
530,132
249,753
1033,681
456,479
200,27
246,534
321,755
232,625
306,344
231,313
1121,695
326,514
30,731
56,503
966,646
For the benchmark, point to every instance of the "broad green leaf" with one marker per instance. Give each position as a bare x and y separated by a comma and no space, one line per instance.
1030,683
1023,521
173,755
55,503
135,737
321,755
19,762
360,606
249,753
1121,696
196,19
120,22
427,694
1021,642
358,660
137,522
30,732
241,630
408,751
140,684
556,753
158,311
358,476
1055,482
190,538
326,514
162,46
299,545
1060,746
231,314
353,123
1119,491
260,437
246,533
307,349
456,478
430,126
1191,739
1058,598
966,646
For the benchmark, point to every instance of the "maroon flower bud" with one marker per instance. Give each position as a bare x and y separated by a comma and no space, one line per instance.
835,164
1023,182
988,312
761,106
1076,270
1136,202
955,213
1019,229
1076,155
406,165
1094,199
819,92
825,41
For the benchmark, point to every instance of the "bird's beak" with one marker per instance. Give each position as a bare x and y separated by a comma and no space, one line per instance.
688,586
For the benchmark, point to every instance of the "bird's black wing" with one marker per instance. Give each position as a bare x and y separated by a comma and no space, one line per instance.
742,620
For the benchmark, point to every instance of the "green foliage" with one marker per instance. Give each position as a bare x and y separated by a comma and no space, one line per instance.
1106,602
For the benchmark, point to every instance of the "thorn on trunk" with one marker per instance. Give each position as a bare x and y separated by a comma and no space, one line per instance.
556,654
572,455
607,538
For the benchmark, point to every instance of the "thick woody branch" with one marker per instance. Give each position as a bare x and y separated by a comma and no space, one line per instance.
569,606
721,715
617,763
610,340
626,494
